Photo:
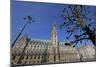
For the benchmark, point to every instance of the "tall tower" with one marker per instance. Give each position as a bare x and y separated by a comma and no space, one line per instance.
54,37
54,41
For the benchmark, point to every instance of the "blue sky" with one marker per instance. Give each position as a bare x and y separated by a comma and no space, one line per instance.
44,15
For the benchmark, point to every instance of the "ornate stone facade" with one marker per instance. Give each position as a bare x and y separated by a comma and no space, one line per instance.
37,51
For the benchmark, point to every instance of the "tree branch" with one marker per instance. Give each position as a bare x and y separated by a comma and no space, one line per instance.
79,40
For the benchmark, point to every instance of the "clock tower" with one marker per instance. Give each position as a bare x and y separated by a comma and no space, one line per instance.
54,36
54,41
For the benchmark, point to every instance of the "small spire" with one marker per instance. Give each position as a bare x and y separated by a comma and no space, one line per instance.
54,23
54,30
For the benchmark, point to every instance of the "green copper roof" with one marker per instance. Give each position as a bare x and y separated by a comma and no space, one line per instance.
54,30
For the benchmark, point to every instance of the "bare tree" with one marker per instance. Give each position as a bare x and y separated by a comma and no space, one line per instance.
79,21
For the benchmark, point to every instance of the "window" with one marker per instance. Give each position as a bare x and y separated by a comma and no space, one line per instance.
22,57
26,57
55,40
13,57
55,36
42,57
20,62
29,62
25,62
31,57
38,61
33,61
35,57
48,47
33,42
39,57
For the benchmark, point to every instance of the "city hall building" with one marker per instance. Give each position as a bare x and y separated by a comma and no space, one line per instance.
35,51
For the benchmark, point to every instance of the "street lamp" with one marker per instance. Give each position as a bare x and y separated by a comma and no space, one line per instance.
28,20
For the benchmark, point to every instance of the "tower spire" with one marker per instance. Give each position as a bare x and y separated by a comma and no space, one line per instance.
54,29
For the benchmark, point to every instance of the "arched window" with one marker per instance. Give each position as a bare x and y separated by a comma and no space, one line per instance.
38,56
34,56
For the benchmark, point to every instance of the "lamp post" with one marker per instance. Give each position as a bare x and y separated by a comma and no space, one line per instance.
28,20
